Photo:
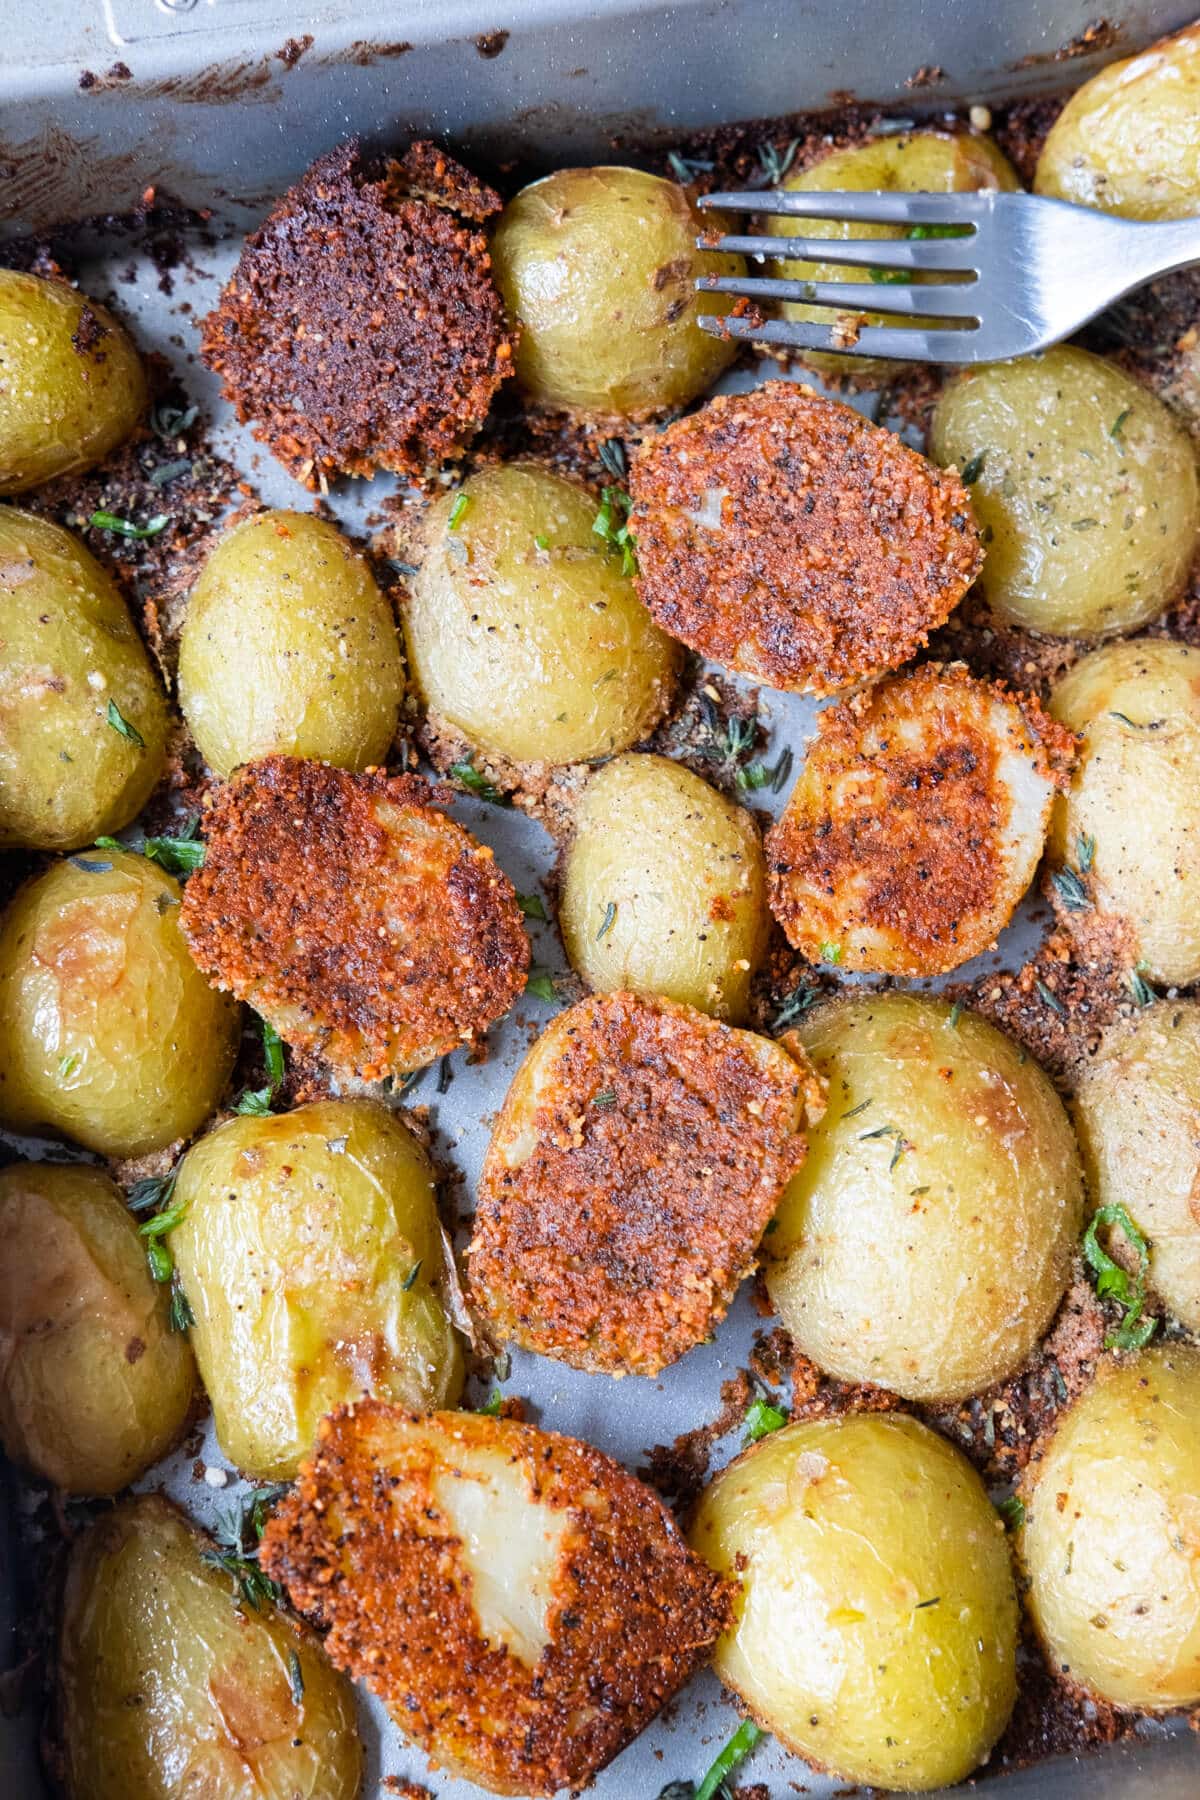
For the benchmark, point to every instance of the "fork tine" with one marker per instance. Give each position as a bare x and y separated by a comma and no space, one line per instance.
865,209
950,302
953,254
872,340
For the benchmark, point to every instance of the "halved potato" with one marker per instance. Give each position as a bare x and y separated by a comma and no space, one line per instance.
916,824
520,1603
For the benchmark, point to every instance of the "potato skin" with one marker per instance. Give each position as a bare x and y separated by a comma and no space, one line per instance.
1110,1540
683,868
300,1234
598,266
67,648
111,1035
1137,1116
1088,488
167,1687
538,655
1128,140
926,1242
288,645
918,162
73,384
876,1634
1136,793
96,1385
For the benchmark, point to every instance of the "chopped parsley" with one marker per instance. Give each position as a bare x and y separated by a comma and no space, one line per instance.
1113,1282
609,920
158,1191
480,786
120,723
1012,1511
761,1419
461,502
256,1103
612,525
181,855
830,953
541,541
68,1065
493,1403
541,985
106,521
533,906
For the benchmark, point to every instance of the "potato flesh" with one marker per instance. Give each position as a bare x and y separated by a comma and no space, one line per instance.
922,162
926,1242
111,1035
681,868
537,655
876,1634
1137,1114
1087,492
301,1232
68,650
1135,795
64,402
1128,140
96,1386
288,645
167,1687
598,265
1112,1535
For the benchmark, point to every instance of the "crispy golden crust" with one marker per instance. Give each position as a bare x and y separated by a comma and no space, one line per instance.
917,822
365,1549
782,535
637,1160
350,912
361,328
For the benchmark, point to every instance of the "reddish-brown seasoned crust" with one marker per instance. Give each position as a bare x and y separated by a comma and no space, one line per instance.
896,830
361,328
348,910
363,1550
839,549
658,1142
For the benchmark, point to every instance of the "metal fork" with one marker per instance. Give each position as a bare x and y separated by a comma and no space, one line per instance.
1023,272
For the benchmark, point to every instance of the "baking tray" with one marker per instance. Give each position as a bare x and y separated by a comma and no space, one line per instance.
221,104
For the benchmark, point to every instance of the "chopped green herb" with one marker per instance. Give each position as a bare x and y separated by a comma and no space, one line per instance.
180,1315
855,1110
1125,720
470,776
776,162
1051,999
68,1065
934,231
411,1277
1085,852
120,723
890,277
1070,890
1084,524
251,1586
956,1013
533,906
922,1604
272,1053
612,451
830,953
178,855
542,541
1140,988
445,1075
492,1404
1118,425
171,421
541,984
168,472
795,1006
971,471
761,1419
610,915
255,1103
757,774
612,524
1113,1282
152,1191
160,1260
90,866
106,521
461,502
686,168
1012,1511
606,1097
295,1678
743,1741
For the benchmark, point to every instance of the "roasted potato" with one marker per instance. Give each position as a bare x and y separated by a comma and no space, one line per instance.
663,888
72,385
917,822
288,645
520,1603
636,1161
927,1240
96,1384
598,267
83,721
109,1034
877,1626
783,535
523,632
1128,140
369,928
1134,803
311,1253
1112,1534
934,162
1137,1113
167,1687
1085,488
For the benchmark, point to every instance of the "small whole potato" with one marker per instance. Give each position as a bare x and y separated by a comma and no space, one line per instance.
664,888
523,632
1128,140
310,1252
96,1384
1111,1542
926,1242
877,1630
1085,488
168,1687
289,646
1134,802
109,1034
1137,1114
934,162
83,720
72,385
598,267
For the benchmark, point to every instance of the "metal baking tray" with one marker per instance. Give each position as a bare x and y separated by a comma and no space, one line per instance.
221,104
